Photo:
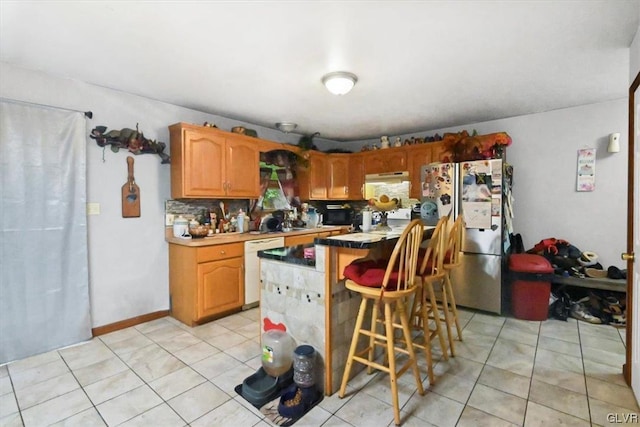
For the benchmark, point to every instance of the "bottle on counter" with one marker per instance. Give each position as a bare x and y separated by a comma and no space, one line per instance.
240,222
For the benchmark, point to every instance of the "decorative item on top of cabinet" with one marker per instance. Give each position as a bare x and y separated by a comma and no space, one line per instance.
209,163
133,140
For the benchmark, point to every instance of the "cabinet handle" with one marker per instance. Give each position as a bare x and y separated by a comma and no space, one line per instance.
346,190
222,252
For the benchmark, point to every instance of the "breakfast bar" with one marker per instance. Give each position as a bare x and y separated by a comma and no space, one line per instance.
302,290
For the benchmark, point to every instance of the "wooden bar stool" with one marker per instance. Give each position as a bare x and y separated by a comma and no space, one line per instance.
452,260
386,289
425,305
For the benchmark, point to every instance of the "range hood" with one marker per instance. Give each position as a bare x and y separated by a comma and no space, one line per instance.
386,177
391,184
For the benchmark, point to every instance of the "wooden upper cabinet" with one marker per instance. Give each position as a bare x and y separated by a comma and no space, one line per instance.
385,160
312,177
243,168
437,152
212,163
338,174
356,176
195,165
417,156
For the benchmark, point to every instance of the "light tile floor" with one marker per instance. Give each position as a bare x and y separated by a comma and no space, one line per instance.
163,373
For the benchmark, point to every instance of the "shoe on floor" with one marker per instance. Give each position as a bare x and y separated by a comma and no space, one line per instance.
580,312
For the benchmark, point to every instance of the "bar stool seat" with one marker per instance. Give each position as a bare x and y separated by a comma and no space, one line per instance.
385,298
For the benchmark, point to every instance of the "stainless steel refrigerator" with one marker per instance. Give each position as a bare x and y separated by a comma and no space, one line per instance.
477,190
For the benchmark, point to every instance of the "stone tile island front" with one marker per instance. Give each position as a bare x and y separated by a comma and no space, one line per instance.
302,290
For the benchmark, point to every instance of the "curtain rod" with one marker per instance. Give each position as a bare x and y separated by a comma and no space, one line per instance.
87,114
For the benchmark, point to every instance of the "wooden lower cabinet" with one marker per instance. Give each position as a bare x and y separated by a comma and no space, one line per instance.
220,286
299,240
205,282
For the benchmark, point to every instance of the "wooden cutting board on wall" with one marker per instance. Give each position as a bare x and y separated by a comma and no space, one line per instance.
130,194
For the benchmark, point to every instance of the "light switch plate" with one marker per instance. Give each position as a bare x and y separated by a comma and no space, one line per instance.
93,208
169,219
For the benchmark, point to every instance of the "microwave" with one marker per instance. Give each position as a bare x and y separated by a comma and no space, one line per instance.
338,215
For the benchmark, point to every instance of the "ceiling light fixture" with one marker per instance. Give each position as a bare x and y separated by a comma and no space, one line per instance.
286,127
339,82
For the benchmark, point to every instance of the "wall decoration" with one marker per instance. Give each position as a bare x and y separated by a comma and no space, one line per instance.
586,179
132,140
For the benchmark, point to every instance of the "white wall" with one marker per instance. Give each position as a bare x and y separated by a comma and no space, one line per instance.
544,156
128,257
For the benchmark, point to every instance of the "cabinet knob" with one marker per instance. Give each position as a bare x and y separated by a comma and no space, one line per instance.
222,252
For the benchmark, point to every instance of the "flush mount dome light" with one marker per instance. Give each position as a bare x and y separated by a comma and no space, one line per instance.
339,82
286,127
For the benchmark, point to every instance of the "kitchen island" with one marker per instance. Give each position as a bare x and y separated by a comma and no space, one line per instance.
208,276
308,297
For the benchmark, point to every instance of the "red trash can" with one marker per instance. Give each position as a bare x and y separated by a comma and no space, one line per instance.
530,286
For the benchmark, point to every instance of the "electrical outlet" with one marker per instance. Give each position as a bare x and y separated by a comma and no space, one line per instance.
169,219
93,208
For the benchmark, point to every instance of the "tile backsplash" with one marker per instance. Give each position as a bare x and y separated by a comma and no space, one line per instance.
190,208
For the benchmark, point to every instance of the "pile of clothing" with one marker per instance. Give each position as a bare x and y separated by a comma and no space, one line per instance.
568,260
596,307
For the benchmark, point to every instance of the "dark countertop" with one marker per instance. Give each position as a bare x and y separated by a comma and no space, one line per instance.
295,254
364,240
289,255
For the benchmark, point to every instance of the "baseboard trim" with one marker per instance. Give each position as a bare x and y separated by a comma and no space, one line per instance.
112,327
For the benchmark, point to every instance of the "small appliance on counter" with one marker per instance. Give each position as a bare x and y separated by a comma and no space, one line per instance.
338,215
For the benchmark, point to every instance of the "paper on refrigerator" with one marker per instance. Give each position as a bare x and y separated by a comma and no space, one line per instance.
477,193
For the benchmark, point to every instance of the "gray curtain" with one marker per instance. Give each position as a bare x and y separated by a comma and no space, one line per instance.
44,284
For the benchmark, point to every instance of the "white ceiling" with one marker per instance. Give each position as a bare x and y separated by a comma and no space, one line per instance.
421,65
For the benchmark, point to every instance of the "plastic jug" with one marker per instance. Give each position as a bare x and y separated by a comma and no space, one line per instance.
277,352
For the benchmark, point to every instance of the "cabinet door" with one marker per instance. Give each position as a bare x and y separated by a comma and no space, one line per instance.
395,160
385,160
417,157
374,162
356,177
220,286
438,153
312,179
338,172
203,166
243,167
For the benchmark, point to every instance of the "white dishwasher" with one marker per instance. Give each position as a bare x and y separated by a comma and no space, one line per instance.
252,267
